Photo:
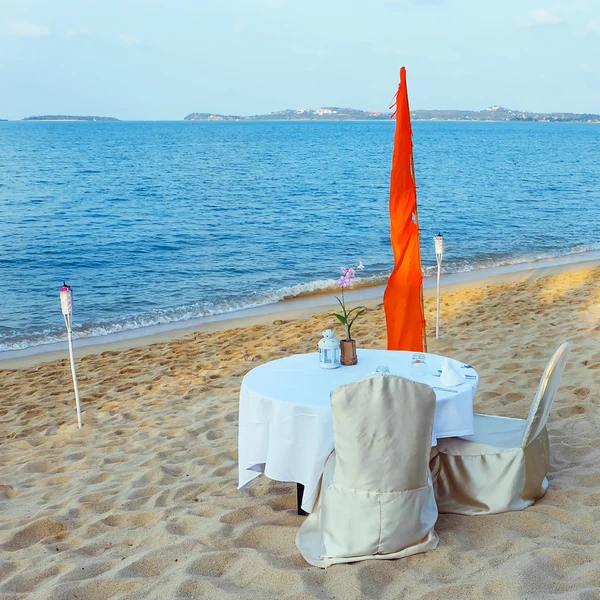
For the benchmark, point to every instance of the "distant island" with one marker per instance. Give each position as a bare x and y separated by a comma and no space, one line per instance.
68,118
328,113
499,113
334,113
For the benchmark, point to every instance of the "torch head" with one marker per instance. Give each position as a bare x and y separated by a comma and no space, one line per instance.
439,244
66,300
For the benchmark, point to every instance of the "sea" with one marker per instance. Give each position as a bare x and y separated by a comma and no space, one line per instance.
162,222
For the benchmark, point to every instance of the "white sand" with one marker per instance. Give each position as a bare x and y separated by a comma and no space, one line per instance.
142,502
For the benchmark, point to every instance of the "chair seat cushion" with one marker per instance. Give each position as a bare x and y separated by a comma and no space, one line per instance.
492,435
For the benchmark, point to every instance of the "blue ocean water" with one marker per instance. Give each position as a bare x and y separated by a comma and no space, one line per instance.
166,221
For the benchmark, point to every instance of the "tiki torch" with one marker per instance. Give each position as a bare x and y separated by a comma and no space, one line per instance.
66,305
439,252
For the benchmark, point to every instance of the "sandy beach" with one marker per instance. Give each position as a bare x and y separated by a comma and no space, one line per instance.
142,502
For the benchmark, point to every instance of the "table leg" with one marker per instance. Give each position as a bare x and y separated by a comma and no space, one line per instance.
300,494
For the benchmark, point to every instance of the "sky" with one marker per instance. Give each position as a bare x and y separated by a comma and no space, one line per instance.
163,59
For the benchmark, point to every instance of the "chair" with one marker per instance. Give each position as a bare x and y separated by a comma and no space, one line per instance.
503,466
376,499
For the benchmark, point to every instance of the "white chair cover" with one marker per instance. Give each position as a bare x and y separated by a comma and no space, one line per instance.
376,499
503,465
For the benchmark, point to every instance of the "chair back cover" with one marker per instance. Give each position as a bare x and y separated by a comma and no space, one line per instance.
382,433
544,397
376,499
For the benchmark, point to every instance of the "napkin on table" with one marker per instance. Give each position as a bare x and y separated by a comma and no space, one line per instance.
451,374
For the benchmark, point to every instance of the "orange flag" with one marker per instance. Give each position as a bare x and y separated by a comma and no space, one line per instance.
402,299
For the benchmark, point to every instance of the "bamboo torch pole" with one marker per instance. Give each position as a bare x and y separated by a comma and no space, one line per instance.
66,304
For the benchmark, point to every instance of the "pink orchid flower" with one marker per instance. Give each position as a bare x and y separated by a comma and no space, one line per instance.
347,317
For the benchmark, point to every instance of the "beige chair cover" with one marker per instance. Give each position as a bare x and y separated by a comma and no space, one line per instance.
376,498
503,466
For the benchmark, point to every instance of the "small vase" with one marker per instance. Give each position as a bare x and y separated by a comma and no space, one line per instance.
348,352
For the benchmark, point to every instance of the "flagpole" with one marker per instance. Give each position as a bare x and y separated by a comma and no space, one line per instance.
412,167
400,301
422,301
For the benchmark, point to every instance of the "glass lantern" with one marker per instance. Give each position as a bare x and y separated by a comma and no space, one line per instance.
329,351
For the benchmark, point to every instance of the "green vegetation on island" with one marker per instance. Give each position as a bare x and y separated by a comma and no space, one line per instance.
68,118
333,113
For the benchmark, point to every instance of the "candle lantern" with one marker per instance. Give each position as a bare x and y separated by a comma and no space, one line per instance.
329,351
439,253
439,246
66,305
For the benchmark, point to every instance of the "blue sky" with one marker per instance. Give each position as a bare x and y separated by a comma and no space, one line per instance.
153,59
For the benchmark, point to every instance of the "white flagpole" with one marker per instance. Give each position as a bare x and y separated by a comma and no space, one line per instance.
66,304
439,252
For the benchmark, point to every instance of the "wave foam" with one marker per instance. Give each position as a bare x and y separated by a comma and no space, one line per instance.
193,311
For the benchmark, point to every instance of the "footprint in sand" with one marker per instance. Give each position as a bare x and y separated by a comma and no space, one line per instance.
146,567
271,539
99,589
215,564
182,526
98,478
130,371
195,588
89,571
225,470
59,480
240,515
23,583
34,533
7,492
569,411
39,466
589,481
130,520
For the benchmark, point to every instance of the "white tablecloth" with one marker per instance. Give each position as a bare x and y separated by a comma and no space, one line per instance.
285,420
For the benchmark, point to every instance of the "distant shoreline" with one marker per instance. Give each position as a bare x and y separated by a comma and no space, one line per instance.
69,118
298,120
293,308
334,113
390,120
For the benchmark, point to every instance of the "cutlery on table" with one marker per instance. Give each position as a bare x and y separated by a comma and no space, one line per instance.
438,374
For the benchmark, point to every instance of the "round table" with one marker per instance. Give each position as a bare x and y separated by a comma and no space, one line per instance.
285,418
